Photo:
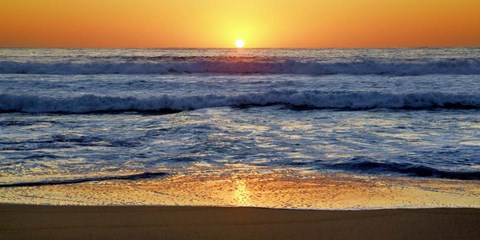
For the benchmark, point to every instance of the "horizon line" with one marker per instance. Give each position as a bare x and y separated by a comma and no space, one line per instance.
245,48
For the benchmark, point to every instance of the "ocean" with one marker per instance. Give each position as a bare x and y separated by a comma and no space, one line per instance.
78,115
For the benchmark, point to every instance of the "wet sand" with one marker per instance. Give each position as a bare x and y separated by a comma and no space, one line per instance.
157,208
269,190
155,222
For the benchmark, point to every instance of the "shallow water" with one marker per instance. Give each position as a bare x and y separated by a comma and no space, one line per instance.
71,114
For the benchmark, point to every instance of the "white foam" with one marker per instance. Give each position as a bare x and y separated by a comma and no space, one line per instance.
313,99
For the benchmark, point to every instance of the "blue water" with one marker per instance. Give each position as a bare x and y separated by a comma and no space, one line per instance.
107,114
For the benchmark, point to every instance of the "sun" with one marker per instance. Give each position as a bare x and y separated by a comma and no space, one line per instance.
239,43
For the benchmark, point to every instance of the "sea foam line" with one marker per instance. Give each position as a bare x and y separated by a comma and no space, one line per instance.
299,99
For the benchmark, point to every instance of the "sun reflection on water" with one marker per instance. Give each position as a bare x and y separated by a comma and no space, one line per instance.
242,193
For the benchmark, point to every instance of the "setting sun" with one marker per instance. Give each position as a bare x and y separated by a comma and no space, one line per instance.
229,119
239,43
219,24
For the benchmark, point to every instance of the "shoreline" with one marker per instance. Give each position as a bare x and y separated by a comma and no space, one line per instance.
161,222
279,190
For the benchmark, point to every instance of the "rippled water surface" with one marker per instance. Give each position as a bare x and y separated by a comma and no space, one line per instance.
402,112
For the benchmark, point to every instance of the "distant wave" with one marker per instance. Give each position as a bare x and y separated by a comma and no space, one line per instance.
296,99
228,66
146,175
416,170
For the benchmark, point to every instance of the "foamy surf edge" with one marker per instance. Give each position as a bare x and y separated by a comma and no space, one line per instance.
295,99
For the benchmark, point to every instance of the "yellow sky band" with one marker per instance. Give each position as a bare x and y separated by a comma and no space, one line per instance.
218,23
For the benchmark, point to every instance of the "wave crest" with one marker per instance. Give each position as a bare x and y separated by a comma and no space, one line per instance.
416,170
297,99
365,67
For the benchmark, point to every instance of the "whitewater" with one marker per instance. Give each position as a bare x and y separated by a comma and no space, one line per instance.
73,115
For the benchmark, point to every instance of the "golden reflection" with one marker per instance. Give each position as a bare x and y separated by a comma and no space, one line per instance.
279,189
242,193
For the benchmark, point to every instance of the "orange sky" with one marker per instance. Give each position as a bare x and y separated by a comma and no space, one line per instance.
261,23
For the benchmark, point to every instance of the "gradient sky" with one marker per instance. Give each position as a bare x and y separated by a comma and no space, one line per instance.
261,23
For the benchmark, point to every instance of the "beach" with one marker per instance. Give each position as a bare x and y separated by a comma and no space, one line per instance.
240,144
240,205
292,119
154,222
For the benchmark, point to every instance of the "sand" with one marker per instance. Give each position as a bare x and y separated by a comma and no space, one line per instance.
156,222
157,208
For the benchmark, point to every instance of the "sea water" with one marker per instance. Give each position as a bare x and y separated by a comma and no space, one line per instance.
100,114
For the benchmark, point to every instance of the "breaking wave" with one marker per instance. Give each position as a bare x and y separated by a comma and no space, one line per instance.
225,66
416,170
295,99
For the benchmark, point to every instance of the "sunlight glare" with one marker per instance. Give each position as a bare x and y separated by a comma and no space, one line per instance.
239,43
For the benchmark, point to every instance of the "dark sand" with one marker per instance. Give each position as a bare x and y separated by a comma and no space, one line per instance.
155,222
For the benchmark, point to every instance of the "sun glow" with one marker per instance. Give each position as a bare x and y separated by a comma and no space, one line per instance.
239,43
219,24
